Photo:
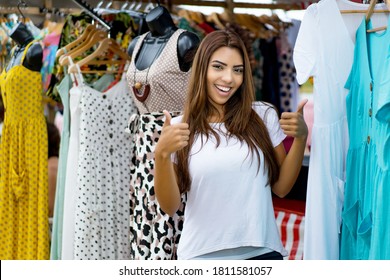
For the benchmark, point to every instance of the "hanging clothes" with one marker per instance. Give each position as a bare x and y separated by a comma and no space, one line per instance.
288,86
154,235
103,178
316,54
56,237
50,42
24,224
257,71
71,172
324,50
73,27
270,91
69,186
366,219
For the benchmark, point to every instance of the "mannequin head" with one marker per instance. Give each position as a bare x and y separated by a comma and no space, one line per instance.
159,21
21,35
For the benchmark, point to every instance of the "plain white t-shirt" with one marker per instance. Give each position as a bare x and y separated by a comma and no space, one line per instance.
229,206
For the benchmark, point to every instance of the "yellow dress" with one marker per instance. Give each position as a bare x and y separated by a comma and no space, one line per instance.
24,228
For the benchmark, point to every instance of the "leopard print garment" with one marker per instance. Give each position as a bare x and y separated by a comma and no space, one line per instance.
153,234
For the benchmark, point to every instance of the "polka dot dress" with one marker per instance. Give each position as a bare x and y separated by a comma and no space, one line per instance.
24,227
103,179
287,81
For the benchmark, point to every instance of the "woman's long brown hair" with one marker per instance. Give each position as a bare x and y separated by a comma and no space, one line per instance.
240,119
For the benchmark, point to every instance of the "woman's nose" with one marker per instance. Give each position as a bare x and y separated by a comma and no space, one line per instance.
227,76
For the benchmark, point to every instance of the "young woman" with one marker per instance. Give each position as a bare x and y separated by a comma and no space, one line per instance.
226,154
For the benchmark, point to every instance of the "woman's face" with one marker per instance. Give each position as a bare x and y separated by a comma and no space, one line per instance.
225,74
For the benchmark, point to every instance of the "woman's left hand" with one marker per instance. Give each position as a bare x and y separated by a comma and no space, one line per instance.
293,124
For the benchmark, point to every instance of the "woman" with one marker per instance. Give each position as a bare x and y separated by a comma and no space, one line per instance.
225,152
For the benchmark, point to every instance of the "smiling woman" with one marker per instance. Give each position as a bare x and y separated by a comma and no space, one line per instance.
223,78
226,152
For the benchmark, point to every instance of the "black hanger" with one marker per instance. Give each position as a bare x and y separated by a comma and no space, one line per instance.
21,2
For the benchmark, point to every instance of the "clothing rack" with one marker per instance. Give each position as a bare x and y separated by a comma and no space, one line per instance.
228,4
36,11
89,10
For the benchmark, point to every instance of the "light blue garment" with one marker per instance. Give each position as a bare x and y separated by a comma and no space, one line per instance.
63,89
56,237
366,219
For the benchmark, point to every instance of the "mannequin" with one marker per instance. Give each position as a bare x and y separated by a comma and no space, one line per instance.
161,28
158,77
22,37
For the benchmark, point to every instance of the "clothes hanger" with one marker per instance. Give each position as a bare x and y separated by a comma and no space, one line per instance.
148,7
82,43
372,7
96,37
214,18
197,17
369,13
245,20
124,6
370,10
88,30
183,13
106,46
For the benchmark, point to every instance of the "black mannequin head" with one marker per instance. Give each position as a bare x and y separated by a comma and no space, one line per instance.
159,21
21,34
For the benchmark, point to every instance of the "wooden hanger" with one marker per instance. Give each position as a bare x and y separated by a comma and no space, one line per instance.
198,17
107,46
88,30
96,37
369,13
214,18
183,13
251,23
370,10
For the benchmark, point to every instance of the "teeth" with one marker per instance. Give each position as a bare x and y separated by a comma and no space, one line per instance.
224,89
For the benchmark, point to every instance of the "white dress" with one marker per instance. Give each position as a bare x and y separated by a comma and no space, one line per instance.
324,50
102,226
71,168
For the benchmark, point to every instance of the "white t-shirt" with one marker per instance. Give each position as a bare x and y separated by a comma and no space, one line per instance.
229,205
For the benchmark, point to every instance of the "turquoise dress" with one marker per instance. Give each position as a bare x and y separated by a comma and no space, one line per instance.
63,89
365,232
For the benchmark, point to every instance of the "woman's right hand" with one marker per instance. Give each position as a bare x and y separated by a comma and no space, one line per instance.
173,137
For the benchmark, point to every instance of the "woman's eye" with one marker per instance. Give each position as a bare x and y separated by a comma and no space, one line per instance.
239,70
217,66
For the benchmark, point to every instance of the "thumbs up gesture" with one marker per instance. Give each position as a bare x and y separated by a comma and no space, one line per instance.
293,124
173,137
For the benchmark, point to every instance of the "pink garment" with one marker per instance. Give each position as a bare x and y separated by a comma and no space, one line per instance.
309,119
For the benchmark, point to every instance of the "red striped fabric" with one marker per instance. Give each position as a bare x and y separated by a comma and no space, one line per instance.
291,228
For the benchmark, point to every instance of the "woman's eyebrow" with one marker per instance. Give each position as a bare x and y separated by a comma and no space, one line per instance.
234,66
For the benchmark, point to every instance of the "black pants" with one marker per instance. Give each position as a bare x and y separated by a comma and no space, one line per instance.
268,256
